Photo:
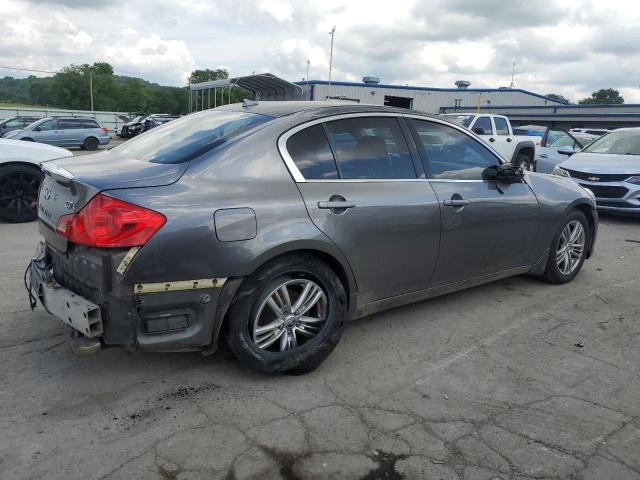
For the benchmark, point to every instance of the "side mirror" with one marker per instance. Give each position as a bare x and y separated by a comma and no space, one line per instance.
566,150
478,130
505,173
37,129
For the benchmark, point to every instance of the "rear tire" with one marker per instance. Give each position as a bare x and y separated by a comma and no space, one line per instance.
567,254
19,186
91,143
316,334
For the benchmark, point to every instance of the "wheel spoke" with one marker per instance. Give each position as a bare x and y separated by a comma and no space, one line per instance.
286,299
311,302
269,327
274,306
303,296
271,339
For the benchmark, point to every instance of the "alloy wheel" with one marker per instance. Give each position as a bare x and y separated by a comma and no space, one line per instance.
19,194
291,315
570,247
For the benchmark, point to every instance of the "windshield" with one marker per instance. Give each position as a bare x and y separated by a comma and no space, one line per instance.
462,120
617,143
186,138
36,123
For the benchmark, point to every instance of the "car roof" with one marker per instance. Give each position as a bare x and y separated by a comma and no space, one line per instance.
281,108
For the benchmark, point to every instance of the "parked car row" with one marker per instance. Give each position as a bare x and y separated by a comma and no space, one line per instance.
87,133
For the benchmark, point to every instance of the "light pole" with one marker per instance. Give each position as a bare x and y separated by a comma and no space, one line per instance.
308,63
91,88
513,71
332,33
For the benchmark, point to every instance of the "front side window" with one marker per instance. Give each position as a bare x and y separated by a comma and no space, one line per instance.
188,137
502,128
370,148
48,125
451,154
311,153
558,138
485,124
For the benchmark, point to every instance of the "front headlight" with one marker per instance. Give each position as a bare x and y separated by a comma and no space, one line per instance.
635,180
561,172
10,134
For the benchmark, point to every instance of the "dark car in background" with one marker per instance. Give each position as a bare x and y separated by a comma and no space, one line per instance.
270,224
142,123
15,123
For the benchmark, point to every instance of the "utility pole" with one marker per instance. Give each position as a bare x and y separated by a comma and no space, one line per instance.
332,33
91,88
513,71
308,63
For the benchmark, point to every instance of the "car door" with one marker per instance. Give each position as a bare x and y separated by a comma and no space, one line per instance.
364,189
47,132
503,137
547,155
486,227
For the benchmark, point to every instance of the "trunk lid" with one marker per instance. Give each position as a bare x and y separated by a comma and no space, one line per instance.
70,183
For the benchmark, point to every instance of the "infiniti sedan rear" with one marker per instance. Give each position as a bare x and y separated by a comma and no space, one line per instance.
269,225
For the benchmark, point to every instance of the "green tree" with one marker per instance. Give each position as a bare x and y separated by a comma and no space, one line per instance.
557,97
207,74
603,96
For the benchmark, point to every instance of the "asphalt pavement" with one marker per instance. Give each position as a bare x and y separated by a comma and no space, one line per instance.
517,379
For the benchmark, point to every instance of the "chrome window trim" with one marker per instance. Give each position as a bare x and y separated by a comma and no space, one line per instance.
299,178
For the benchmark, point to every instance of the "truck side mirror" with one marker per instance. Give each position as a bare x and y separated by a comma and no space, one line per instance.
566,150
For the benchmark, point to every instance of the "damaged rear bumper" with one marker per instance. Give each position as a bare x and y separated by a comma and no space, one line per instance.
86,291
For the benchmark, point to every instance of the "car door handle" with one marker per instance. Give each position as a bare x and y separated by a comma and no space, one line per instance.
456,202
336,205
492,139
509,139
544,155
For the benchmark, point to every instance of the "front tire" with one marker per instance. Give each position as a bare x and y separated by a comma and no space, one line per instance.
288,316
568,249
19,185
523,161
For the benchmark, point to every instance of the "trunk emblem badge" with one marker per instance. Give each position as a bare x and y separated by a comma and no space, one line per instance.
70,205
47,193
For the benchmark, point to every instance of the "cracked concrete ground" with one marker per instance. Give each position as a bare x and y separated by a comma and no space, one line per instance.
483,384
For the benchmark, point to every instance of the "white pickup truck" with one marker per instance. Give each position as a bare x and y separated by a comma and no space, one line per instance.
496,130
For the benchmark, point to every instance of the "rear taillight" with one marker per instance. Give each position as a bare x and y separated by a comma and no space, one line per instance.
105,129
108,222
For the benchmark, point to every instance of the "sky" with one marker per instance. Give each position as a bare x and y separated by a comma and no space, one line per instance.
567,47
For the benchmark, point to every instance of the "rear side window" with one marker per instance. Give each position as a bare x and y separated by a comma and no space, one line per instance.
70,124
311,153
188,137
370,148
450,154
89,124
501,126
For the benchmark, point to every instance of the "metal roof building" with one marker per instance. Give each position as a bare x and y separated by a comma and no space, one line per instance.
425,99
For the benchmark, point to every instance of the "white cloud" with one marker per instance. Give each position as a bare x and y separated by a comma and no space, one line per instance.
571,48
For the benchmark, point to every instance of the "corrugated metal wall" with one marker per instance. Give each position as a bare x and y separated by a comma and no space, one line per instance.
111,120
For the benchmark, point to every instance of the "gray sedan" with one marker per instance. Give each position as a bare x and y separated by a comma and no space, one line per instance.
269,225
610,168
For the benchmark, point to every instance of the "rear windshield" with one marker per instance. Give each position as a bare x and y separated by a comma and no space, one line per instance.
186,138
618,143
462,120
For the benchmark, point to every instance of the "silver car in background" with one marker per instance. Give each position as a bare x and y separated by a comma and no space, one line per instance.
610,168
87,133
